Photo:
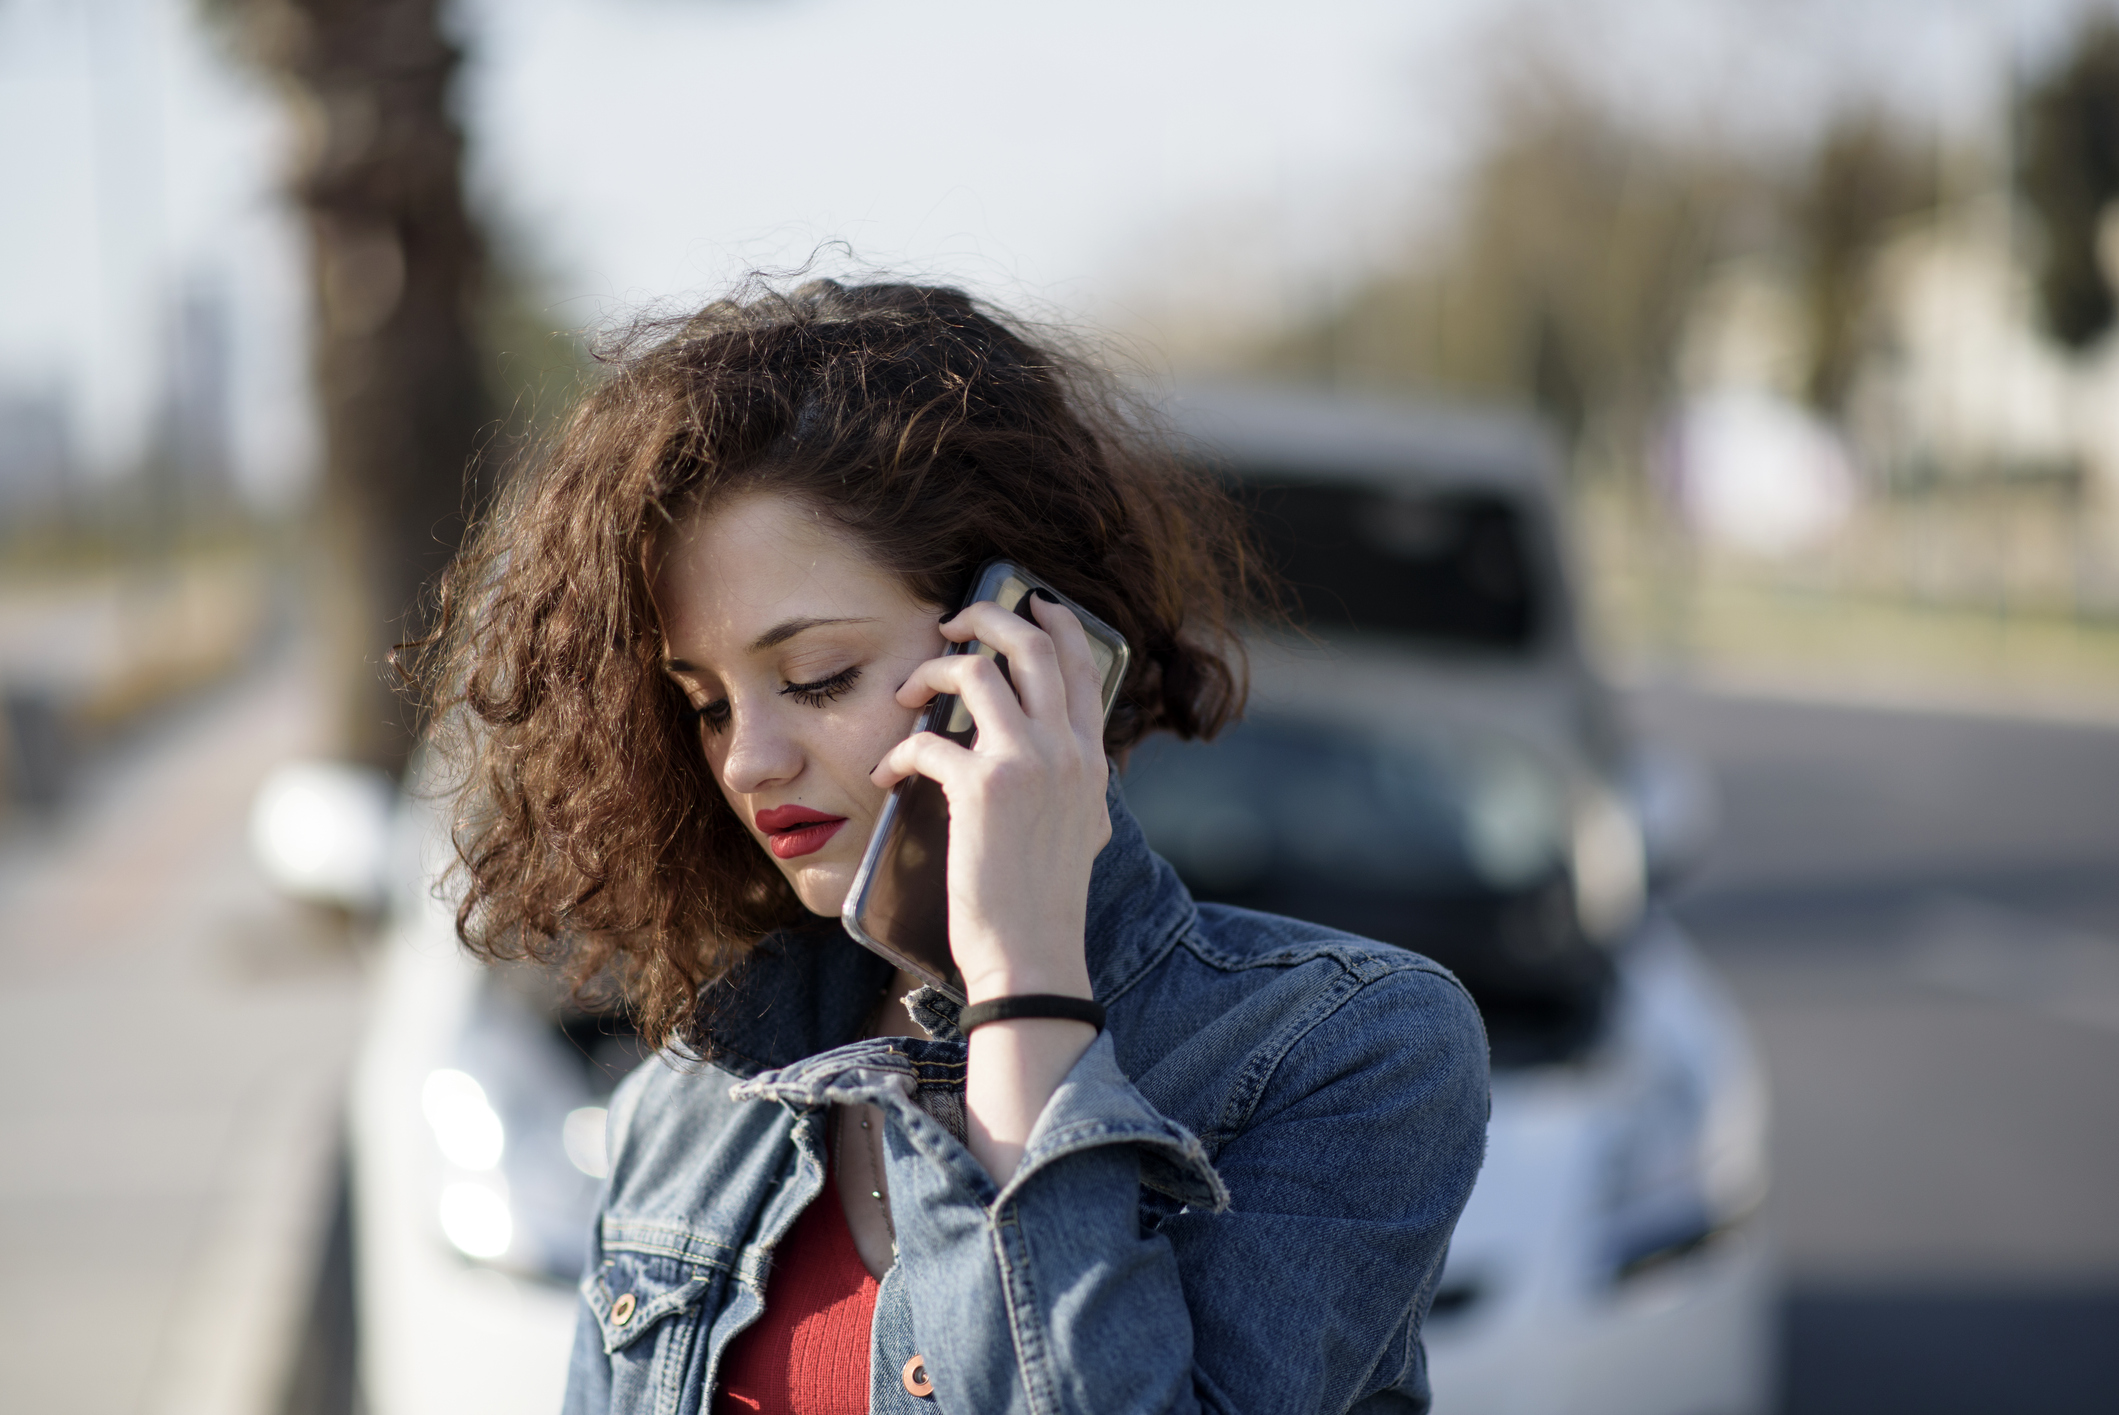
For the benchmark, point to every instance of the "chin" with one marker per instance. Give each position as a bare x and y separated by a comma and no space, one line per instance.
823,892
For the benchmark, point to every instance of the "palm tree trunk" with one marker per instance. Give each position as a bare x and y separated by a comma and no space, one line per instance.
397,261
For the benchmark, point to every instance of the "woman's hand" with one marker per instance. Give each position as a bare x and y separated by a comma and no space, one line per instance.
1026,799
1026,820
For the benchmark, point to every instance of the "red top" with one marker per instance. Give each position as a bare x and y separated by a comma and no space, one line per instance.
807,1354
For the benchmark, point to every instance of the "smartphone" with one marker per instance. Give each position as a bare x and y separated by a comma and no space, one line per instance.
899,903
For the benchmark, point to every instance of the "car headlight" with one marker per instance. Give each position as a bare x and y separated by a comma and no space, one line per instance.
1610,866
1686,1163
1521,819
1515,815
520,1138
475,1218
583,1136
465,1125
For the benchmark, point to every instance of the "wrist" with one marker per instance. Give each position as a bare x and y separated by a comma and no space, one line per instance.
1031,1007
1021,982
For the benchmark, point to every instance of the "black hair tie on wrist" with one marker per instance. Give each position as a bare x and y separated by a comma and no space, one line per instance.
1031,1004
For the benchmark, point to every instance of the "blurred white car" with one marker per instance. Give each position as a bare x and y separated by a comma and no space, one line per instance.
474,1124
1613,1257
476,1143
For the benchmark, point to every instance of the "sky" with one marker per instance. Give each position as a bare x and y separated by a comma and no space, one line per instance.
134,156
1102,161
1024,151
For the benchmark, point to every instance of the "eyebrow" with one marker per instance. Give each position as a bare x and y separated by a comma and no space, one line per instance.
779,634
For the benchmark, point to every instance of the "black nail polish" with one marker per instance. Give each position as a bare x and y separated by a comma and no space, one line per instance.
1046,595
949,616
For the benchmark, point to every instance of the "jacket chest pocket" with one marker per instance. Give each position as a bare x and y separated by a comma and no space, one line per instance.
647,1308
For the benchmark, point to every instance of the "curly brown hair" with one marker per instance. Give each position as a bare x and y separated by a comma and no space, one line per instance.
934,431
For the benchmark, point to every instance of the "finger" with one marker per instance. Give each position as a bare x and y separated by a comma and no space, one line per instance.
922,754
1033,662
975,679
1077,665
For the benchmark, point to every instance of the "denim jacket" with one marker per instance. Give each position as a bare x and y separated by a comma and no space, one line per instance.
1238,1199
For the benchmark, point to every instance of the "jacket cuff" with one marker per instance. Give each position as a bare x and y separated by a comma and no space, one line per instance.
921,1084
1097,1104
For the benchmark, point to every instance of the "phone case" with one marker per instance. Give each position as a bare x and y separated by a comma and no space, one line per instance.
898,905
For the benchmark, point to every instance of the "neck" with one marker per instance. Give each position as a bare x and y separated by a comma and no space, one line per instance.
890,1019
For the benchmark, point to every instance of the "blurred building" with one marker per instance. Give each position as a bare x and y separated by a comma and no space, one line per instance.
2001,444
1975,461
1747,463
197,439
36,455
1958,381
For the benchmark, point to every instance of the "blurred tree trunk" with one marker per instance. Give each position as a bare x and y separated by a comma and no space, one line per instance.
398,263
1867,176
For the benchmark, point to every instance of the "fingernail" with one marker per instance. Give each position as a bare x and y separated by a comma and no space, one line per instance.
950,615
1046,595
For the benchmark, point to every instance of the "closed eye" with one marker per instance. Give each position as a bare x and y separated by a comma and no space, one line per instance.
712,716
823,690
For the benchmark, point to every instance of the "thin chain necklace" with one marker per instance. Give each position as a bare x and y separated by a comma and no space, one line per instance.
879,1187
878,1190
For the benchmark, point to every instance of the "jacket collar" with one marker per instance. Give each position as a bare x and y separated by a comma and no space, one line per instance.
807,989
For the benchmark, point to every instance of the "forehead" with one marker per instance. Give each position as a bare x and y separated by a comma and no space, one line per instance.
748,563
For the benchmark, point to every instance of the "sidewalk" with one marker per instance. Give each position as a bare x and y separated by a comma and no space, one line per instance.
174,1038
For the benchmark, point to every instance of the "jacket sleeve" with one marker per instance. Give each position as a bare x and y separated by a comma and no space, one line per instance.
1300,1286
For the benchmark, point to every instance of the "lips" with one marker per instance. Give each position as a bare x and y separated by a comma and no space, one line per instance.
792,831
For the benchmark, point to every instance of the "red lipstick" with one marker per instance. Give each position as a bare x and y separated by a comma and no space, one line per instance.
792,831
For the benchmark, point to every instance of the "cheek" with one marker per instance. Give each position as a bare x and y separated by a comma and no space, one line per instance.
863,737
887,721
854,740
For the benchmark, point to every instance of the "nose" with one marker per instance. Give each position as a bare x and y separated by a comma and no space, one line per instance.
759,754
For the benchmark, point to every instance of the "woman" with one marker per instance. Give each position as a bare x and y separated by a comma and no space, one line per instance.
686,656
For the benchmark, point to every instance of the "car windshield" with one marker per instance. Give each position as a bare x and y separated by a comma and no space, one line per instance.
1453,568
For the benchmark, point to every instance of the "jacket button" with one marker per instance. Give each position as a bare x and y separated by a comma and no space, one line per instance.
915,1377
622,1310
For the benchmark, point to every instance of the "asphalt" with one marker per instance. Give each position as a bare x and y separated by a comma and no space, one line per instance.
1919,912
174,1039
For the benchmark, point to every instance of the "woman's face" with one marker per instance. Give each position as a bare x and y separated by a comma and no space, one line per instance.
791,644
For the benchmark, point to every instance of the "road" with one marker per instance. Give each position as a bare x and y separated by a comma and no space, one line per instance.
1919,912
1920,915
175,1039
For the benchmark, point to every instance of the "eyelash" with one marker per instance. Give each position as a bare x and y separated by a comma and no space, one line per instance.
713,716
824,690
